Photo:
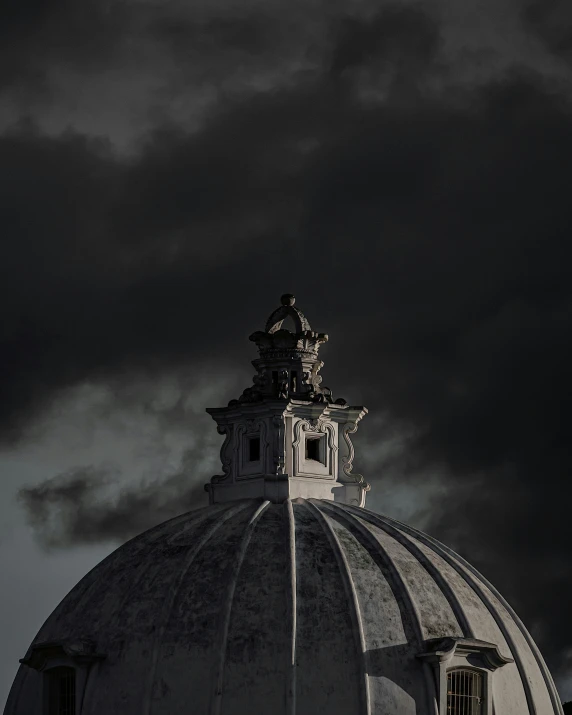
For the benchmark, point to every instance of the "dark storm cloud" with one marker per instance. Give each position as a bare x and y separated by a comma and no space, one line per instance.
73,508
53,264
191,38
209,45
551,22
43,37
399,38
427,233
39,35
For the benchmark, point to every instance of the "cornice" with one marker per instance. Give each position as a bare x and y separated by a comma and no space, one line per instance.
442,650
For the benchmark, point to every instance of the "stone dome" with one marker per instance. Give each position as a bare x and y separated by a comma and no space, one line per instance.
296,608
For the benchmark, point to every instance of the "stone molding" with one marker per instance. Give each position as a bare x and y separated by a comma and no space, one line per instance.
42,656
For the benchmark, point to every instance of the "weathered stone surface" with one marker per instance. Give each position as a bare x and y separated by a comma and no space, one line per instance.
300,608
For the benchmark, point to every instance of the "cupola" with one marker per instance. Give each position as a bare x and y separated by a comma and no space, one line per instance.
286,437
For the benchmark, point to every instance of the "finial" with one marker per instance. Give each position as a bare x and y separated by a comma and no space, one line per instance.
287,299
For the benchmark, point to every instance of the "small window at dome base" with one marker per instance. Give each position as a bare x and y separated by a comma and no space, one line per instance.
464,670
65,666
464,692
61,691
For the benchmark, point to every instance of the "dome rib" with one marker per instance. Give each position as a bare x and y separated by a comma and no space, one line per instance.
291,691
398,585
346,574
173,592
218,680
472,579
431,569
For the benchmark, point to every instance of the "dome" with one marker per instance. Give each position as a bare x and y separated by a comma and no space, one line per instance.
302,607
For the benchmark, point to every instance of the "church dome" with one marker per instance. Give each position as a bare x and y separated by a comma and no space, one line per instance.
302,607
285,596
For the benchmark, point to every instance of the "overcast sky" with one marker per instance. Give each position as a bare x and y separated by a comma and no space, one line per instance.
169,168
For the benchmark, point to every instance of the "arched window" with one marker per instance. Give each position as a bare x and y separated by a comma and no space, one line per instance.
61,691
464,692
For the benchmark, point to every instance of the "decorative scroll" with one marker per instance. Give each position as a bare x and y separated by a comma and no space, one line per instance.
225,454
347,460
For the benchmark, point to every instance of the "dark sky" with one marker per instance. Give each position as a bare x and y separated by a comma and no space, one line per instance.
169,169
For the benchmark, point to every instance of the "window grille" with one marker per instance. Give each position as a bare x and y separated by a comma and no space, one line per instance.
61,691
464,692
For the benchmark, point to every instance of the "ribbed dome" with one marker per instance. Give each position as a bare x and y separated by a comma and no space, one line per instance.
300,608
